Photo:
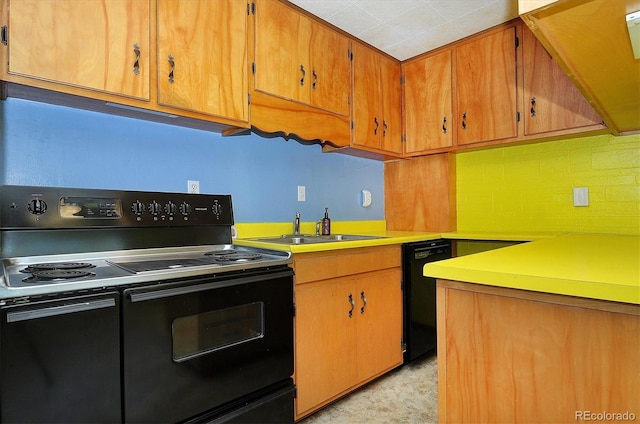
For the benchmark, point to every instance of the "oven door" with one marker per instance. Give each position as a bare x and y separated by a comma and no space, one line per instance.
192,346
60,360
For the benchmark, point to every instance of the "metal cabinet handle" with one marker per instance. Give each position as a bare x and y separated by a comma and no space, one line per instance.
172,62
315,79
384,128
364,301
60,310
304,73
533,107
375,130
464,119
353,305
444,125
136,64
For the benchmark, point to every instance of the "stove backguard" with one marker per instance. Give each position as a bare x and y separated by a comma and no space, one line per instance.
46,220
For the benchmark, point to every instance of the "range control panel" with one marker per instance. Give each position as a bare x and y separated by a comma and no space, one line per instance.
48,207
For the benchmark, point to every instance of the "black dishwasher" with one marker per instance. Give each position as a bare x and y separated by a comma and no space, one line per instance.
420,296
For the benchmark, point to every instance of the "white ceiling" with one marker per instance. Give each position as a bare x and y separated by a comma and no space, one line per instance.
406,28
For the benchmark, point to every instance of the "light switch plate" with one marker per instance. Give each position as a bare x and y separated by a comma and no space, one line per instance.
581,196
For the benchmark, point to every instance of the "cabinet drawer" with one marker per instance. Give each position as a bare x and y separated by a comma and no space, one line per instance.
339,263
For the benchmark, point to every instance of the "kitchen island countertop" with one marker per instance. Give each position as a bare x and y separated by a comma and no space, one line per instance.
595,266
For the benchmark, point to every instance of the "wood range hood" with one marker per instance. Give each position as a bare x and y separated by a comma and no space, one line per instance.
589,39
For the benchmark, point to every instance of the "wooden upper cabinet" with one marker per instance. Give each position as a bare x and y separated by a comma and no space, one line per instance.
280,56
299,59
377,103
486,87
202,56
390,75
100,45
552,101
429,122
329,81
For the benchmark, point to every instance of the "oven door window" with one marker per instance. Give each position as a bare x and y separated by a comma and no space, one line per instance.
207,332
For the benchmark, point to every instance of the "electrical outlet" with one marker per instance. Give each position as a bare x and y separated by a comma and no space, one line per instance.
302,194
193,186
581,196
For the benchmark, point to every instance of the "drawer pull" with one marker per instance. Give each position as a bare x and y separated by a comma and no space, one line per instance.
364,301
353,305
172,62
136,64
533,107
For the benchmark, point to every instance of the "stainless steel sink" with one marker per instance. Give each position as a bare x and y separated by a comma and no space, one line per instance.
310,239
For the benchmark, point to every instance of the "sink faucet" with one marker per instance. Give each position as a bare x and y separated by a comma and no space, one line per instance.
296,224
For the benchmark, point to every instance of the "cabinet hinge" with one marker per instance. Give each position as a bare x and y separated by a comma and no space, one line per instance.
253,67
517,42
253,8
402,79
403,346
517,116
294,309
350,55
348,100
352,126
4,35
403,139
249,98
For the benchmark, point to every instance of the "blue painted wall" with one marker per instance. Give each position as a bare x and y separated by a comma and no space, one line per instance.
47,145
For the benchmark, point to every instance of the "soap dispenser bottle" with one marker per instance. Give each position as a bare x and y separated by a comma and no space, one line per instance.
326,223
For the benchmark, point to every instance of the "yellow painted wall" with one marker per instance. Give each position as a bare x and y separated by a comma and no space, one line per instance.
530,187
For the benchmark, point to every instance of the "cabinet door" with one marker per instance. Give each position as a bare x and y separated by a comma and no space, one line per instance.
486,88
379,328
329,74
282,51
367,112
325,349
96,44
202,56
429,121
552,102
391,140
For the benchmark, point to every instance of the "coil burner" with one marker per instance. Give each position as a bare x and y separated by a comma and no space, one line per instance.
57,271
231,255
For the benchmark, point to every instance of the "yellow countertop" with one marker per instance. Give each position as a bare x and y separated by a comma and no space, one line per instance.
497,236
247,233
605,267
390,237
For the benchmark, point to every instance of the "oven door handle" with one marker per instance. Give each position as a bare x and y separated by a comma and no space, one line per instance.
60,310
146,294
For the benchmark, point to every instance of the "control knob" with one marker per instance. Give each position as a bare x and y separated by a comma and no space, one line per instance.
170,208
185,208
37,206
137,208
154,208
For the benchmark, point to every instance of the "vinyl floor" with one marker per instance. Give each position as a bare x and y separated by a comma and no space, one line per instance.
406,395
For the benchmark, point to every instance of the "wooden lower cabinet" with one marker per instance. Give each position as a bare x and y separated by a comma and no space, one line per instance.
507,356
348,327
